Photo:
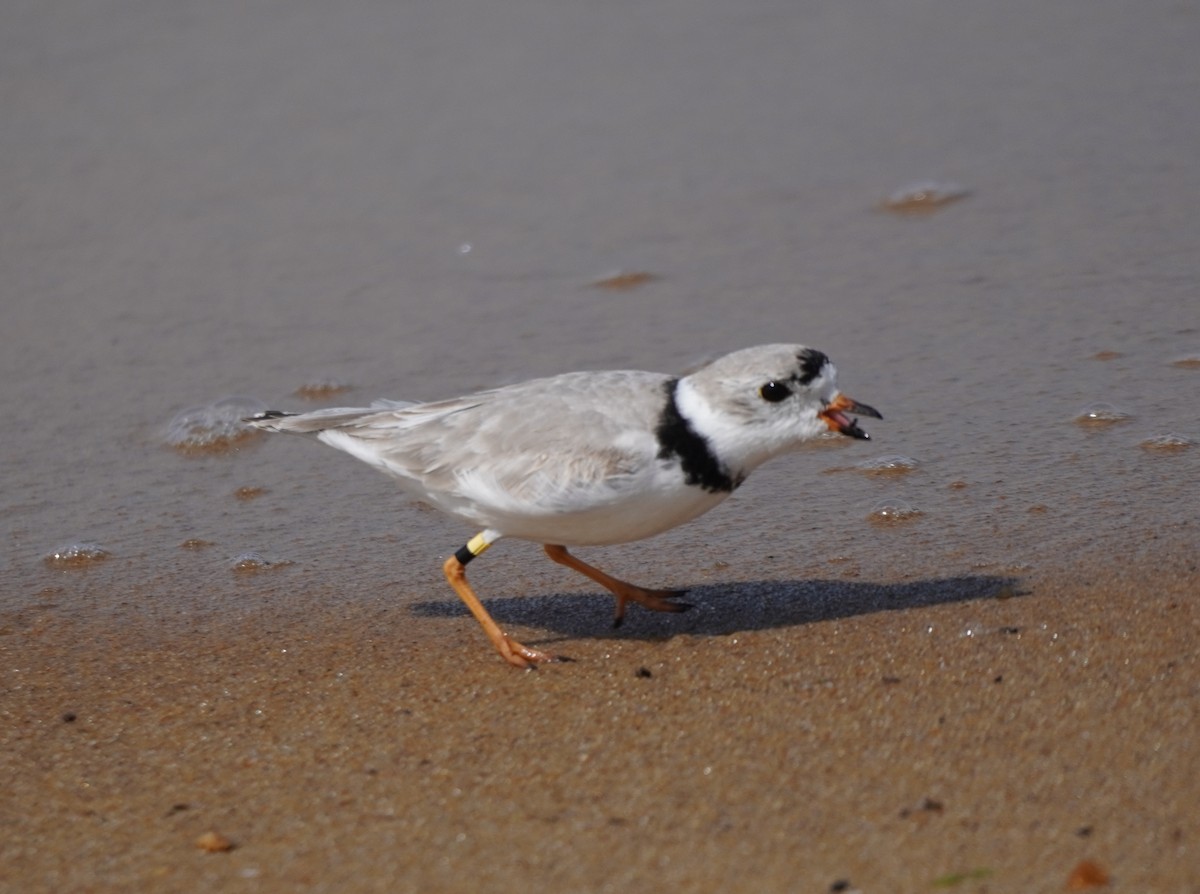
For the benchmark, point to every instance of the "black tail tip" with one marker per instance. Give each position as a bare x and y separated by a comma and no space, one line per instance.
266,414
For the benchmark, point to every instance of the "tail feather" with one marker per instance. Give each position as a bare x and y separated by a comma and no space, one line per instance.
306,423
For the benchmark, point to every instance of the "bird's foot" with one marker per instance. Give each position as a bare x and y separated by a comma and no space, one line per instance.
522,656
655,600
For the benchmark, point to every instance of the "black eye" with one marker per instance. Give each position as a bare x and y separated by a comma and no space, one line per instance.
775,392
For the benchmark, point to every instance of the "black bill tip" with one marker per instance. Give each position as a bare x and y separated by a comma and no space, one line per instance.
835,416
852,430
864,410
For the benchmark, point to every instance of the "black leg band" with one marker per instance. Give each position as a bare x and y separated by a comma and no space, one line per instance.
464,555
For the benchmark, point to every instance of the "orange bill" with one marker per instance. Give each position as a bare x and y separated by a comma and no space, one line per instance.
835,416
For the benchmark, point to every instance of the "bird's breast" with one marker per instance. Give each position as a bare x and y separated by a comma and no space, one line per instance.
628,514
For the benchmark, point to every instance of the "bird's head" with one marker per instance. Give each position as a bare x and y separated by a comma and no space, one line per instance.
759,402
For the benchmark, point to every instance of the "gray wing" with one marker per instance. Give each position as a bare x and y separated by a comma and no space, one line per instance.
546,440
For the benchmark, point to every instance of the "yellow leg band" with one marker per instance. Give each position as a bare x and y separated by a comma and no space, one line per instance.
474,547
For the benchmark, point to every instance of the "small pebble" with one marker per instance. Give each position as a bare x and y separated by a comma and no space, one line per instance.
214,843
1087,874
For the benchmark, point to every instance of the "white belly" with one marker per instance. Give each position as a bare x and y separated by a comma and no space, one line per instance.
652,502
636,517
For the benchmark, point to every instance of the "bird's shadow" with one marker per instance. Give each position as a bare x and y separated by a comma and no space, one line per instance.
735,607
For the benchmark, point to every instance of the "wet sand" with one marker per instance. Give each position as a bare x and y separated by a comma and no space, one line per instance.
1008,737
414,202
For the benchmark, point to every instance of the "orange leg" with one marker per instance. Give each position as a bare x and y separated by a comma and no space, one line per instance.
655,600
510,650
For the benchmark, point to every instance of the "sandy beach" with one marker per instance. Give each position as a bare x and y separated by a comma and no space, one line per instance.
992,744
961,656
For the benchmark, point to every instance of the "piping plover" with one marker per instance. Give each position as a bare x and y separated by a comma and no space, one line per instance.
591,458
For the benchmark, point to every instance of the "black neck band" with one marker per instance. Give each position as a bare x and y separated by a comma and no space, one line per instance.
677,438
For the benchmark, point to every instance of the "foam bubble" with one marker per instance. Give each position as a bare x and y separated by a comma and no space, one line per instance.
213,428
925,195
1169,443
251,562
1101,413
320,389
892,512
80,554
623,280
888,464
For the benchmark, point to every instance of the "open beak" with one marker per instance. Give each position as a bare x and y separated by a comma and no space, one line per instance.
835,416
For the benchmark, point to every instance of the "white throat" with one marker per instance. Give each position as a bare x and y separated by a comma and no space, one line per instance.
739,447
726,437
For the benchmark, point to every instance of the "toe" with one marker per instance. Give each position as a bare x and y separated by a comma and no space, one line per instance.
523,656
619,610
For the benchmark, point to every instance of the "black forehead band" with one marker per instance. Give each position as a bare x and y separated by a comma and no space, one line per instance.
812,362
